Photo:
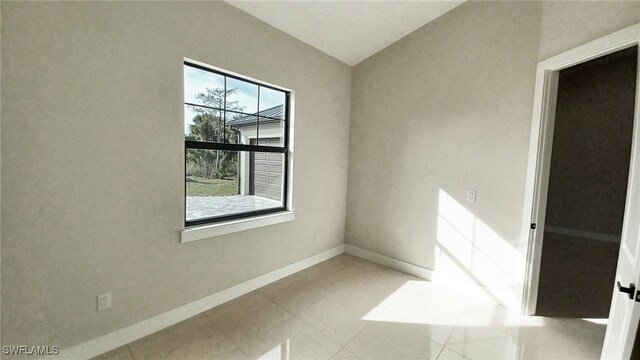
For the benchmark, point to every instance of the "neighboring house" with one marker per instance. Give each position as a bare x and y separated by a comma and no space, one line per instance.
261,173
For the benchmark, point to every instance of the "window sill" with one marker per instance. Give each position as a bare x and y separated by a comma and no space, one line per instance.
232,226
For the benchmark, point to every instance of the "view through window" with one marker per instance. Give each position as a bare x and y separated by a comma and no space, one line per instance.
236,136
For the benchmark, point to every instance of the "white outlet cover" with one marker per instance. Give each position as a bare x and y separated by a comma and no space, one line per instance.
104,301
471,195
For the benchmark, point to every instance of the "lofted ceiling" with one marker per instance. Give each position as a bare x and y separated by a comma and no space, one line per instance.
350,31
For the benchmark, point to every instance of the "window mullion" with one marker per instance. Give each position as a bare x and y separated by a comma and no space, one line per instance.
258,120
189,144
224,113
204,106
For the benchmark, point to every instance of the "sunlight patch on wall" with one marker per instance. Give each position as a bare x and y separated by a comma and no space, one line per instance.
475,255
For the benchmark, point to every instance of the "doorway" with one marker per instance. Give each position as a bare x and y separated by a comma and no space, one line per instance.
624,313
587,186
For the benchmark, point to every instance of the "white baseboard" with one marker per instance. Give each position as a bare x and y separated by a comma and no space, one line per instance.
139,330
400,265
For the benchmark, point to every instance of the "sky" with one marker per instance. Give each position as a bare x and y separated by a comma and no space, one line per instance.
196,80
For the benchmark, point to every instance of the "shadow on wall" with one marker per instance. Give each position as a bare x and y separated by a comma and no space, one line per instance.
470,254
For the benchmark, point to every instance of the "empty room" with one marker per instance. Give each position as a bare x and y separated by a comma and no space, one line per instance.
319,180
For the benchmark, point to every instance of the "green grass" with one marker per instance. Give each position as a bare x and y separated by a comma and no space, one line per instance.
211,187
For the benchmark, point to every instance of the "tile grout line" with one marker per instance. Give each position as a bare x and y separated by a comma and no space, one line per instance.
455,352
305,281
455,327
335,353
131,352
539,344
278,305
309,282
225,335
313,282
292,315
357,277
318,330
440,353
354,337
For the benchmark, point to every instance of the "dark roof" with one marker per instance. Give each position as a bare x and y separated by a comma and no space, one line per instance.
272,114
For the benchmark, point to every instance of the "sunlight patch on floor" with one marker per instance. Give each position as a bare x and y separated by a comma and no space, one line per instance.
280,352
597,321
427,303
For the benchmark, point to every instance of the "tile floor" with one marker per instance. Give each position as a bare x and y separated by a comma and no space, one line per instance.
349,308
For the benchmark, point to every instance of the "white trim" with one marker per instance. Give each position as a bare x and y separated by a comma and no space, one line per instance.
583,234
390,262
241,76
227,227
540,147
624,315
291,153
139,330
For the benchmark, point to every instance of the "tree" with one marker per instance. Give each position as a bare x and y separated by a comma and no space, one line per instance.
208,125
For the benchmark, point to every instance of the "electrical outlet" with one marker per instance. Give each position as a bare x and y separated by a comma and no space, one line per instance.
471,195
104,301
317,236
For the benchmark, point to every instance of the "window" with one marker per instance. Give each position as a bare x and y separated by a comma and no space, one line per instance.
236,133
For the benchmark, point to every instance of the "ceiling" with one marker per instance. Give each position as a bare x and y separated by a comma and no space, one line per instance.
350,31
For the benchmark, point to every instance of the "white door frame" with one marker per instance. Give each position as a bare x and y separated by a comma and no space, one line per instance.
540,144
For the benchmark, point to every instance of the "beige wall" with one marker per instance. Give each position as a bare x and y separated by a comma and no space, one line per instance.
92,148
446,109
567,24
92,161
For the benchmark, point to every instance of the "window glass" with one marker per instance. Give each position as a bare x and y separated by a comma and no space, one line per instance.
203,124
242,96
203,87
270,132
243,127
271,99
222,183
